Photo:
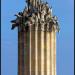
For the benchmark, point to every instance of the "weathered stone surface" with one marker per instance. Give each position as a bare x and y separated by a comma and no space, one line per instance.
36,39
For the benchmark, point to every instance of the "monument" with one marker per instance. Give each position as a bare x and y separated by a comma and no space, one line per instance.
37,29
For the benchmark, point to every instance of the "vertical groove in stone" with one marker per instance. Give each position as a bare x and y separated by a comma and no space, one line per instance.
52,39
28,35
42,52
48,52
54,53
21,53
32,51
36,51
50,56
26,52
22,65
39,52
45,54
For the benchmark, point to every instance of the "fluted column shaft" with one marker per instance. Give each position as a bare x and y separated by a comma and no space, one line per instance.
37,52
53,52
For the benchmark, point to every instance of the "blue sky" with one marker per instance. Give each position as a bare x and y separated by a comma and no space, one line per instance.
65,39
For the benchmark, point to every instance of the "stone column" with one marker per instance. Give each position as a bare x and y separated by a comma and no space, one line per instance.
33,50
48,52
53,51
36,49
23,53
45,53
26,52
19,53
30,51
39,50
42,52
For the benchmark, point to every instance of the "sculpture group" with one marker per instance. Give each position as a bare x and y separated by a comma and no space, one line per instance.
37,14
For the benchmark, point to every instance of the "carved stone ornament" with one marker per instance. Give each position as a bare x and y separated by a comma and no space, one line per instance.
33,16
